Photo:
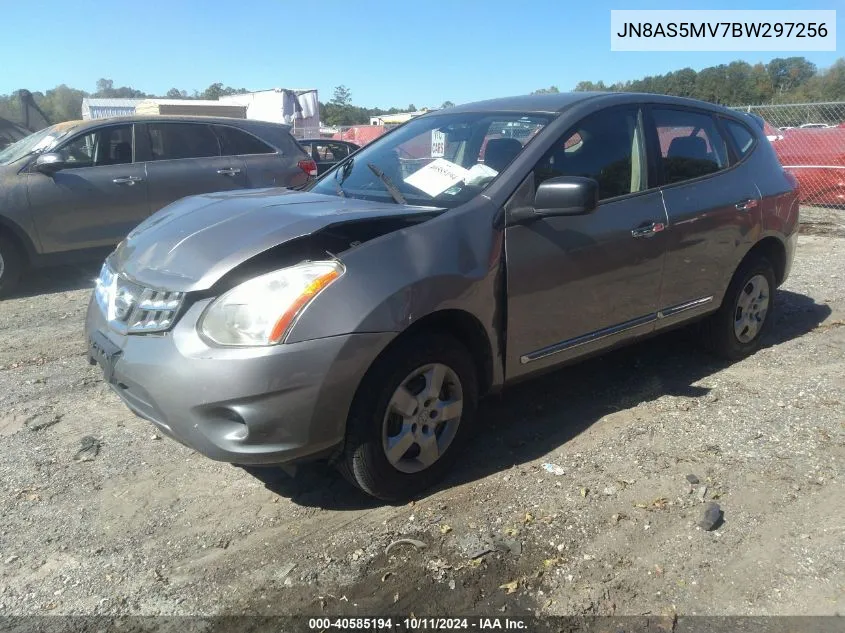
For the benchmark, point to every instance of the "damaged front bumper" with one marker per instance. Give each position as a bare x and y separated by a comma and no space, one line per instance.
253,405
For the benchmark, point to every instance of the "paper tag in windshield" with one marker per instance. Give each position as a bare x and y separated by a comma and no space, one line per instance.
437,177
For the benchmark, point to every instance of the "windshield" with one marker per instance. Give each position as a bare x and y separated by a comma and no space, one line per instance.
35,142
438,160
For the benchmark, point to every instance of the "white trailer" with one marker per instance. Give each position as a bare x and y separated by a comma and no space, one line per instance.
299,108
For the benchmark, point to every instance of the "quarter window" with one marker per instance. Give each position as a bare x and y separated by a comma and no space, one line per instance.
236,142
106,146
606,146
742,138
690,144
170,141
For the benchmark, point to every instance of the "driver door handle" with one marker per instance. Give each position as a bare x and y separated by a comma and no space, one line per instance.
127,180
745,205
229,171
648,230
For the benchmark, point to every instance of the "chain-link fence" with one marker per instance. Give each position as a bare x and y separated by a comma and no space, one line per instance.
809,139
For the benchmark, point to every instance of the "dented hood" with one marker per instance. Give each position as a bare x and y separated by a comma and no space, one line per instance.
193,242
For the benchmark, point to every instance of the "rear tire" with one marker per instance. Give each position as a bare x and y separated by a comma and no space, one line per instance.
395,455
736,330
11,266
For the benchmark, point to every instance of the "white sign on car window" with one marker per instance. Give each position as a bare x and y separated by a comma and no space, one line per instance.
438,144
437,177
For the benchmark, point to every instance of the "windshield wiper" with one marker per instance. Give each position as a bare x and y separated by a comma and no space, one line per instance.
343,170
392,189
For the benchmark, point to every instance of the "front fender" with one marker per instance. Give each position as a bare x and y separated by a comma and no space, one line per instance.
450,262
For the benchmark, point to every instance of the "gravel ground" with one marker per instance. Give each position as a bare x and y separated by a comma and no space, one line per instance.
577,488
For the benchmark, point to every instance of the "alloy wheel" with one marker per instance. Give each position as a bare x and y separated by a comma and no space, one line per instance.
422,418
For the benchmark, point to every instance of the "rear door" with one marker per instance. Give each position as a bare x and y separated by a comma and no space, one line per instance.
577,284
184,160
97,198
713,209
265,165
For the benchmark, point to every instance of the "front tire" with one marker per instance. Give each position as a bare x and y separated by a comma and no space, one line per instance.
735,331
10,266
412,414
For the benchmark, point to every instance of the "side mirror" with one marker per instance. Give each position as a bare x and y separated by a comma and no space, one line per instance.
49,163
566,195
560,196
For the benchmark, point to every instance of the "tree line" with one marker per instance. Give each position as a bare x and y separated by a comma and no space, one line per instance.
782,80
64,103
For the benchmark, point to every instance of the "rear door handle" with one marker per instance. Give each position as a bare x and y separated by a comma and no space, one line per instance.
745,205
648,230
127,180
229,171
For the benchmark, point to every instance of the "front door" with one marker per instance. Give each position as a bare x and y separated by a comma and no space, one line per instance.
96,199
185,160
580,283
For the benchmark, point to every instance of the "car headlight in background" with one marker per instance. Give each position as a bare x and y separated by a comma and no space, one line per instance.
261,311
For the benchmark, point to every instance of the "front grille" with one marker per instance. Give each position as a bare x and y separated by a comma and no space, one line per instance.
133,308
155,311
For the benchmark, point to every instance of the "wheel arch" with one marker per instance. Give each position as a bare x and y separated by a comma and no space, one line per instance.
773,249
26,249
461,325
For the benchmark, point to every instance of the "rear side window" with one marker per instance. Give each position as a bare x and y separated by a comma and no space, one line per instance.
338,151
743,139
236,142
169,141
329,152
690,144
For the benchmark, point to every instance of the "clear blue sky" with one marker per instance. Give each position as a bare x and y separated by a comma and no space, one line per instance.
387,53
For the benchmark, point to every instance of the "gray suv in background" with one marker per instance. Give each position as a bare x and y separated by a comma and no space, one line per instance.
76,188
470,248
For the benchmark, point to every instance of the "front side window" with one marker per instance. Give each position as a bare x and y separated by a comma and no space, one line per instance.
106,146
690,144
441,160
169,141
606,146
236,142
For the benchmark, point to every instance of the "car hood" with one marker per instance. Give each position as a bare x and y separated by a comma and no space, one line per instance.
192,243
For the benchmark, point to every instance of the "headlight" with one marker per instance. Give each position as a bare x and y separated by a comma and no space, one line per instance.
261,311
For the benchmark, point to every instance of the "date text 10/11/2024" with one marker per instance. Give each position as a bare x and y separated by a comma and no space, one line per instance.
417,624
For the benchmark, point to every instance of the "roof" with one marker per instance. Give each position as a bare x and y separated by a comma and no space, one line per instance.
141,118
526,103
111,103
189,102
253,92
560,101
323,140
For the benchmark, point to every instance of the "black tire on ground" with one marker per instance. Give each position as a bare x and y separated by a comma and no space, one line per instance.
11,266
718,332
364,462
